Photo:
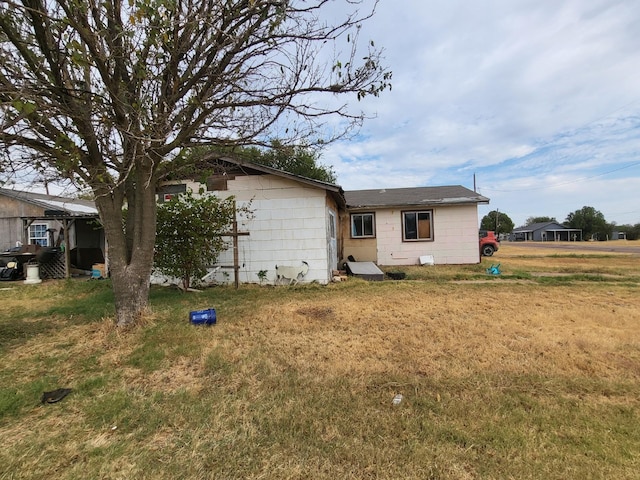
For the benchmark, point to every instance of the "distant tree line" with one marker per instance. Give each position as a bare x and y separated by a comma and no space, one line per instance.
497,221
302,160
591,221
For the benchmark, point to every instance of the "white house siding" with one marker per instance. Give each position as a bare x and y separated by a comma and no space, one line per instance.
455,231
289,226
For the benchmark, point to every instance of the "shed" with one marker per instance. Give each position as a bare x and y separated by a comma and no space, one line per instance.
67,228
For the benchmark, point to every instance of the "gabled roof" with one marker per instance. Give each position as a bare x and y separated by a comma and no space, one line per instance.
413,197
534,227
228,165
73,207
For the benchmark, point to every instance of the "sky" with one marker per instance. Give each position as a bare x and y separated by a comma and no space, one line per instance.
537,102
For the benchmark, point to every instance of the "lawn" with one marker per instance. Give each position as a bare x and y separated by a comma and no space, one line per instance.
534,373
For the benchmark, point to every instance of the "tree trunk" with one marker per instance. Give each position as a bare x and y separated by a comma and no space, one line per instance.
130,243
131,293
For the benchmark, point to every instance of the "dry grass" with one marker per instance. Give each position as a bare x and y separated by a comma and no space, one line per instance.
451,331
510,378
591,257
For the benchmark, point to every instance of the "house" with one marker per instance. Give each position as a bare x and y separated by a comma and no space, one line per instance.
296,219
546,232
399,226
67,229
295,222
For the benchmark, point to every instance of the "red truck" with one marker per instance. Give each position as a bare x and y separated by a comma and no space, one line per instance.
488,243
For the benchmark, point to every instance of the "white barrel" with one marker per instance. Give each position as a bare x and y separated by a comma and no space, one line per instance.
33,274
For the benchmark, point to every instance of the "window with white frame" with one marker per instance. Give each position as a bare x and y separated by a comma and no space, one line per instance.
417,226
38,234
363,225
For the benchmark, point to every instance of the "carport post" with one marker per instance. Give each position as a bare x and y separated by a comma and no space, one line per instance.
67,250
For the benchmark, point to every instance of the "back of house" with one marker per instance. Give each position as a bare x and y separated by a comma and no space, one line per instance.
399,226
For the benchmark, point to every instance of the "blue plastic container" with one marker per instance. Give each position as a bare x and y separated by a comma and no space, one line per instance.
203,317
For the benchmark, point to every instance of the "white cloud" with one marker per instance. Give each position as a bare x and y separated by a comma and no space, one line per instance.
526,94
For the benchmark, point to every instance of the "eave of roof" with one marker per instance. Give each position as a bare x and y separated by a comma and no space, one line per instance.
335,190
70,206
413,197
540,226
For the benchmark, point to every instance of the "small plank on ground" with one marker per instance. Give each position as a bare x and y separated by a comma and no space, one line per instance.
365,270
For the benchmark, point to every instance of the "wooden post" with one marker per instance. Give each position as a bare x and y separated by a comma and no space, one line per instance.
236,262
235,234
67,251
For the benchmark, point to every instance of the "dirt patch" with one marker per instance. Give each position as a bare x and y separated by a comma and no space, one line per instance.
317,313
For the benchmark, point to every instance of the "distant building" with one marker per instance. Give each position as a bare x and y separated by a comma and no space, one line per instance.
617,235
546,232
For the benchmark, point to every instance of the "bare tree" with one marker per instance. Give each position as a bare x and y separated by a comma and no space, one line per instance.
104,93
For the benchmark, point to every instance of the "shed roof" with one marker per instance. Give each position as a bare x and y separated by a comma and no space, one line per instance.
413,197
73,207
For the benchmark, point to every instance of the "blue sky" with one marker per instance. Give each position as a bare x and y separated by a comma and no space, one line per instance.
539,99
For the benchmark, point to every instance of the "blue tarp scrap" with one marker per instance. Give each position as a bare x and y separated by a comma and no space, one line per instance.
494,270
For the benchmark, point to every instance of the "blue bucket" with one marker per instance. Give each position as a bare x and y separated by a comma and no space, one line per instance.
203,317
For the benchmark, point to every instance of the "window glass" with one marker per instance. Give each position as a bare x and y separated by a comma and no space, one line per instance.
410,226
38,234
332,225
362,225
417,226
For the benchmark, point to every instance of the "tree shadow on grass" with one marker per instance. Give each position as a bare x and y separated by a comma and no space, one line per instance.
74,309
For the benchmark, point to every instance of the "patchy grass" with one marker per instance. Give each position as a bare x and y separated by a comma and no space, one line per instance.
531,374
543,265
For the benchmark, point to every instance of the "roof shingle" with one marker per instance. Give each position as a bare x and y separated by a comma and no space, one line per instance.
413,197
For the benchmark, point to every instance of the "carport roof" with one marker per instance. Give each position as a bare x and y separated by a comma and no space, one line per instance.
73,207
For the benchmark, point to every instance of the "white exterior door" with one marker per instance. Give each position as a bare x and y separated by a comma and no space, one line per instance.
332,243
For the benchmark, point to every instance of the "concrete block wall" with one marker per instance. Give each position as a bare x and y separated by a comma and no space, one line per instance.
455,233
289,225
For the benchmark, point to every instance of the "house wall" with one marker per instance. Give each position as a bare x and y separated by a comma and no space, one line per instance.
11,229
82,233
362,249
289,226
10,233
455,231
